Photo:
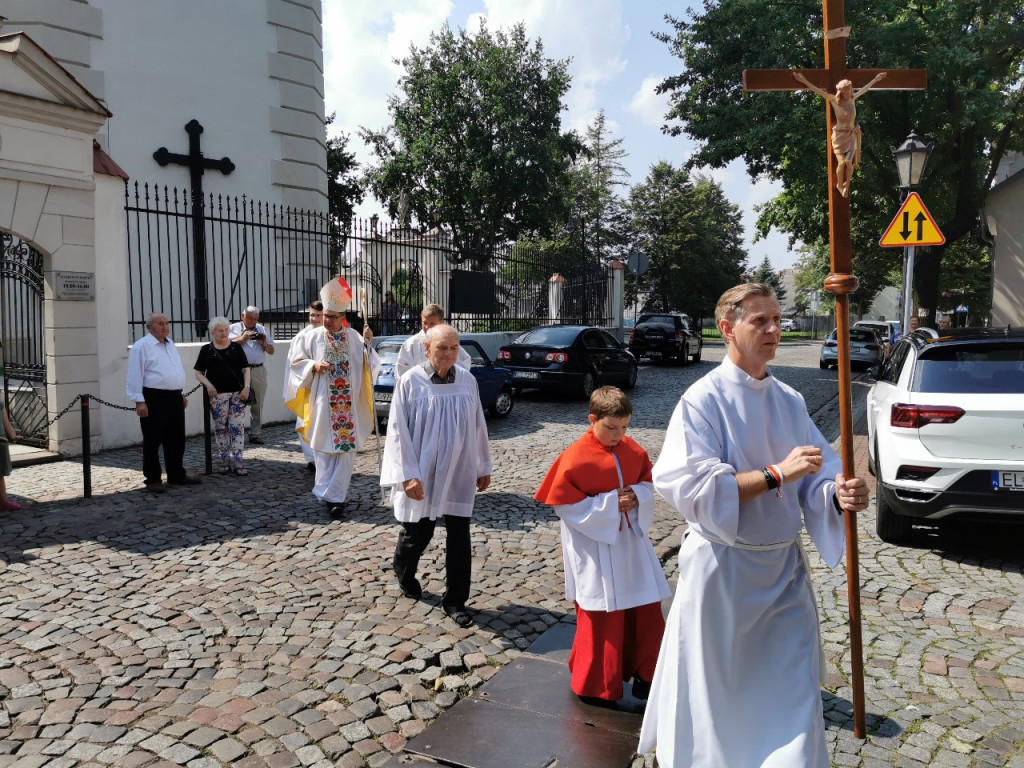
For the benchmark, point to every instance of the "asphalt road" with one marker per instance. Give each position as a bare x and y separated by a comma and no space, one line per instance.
233,623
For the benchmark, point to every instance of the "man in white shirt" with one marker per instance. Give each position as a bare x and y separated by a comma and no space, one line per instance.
414,351
257,343
155,380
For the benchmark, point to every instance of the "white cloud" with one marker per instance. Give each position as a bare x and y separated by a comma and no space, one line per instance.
647,105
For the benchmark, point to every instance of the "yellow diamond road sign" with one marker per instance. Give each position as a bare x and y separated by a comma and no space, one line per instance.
913,225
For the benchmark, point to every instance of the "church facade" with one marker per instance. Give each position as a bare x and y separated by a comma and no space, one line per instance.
89,91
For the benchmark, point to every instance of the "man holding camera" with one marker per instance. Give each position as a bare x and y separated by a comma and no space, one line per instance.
256,341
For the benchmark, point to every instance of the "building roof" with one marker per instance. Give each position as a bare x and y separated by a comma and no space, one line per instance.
104,164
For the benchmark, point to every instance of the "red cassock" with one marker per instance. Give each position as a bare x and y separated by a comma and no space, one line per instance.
613,575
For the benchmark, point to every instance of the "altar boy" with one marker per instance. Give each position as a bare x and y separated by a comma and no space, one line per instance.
601,490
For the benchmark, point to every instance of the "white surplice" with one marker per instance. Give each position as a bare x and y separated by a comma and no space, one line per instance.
610,566
437,433
413,353
737,681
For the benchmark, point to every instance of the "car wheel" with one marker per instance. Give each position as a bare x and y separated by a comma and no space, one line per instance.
700,348
823,365
631,377
587,384
890,527
503,404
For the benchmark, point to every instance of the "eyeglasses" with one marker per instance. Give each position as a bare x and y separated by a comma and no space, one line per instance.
313,315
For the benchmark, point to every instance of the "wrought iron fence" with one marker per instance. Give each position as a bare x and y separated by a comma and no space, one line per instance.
269,256
395,270
277,259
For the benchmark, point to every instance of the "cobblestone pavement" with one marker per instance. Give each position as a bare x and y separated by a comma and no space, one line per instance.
233,623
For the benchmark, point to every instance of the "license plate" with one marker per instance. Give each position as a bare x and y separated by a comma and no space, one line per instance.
1007,481
526,374
654,354
382,397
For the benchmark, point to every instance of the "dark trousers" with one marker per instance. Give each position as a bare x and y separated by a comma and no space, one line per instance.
164,427
458,557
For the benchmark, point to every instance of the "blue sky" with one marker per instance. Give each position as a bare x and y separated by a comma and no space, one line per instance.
615,64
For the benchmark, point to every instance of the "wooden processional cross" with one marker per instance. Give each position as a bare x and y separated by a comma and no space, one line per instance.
841,282
197,166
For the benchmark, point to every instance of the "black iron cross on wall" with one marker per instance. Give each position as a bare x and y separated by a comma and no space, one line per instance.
197,165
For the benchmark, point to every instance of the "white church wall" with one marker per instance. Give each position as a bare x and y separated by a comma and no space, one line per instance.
250,72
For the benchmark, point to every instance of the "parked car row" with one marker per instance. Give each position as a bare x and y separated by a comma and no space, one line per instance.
497,395
867,349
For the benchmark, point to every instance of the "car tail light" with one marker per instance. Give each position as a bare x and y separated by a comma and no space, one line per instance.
908,472
556,357
504,354
917,416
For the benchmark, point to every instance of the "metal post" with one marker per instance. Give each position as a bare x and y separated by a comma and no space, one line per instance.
908,291
86,448
207,433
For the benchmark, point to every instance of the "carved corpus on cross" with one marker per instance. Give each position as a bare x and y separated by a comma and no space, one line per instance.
841,282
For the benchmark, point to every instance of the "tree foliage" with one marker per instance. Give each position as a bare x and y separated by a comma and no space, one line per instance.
344,191
972,112
476,139
764,273
693,238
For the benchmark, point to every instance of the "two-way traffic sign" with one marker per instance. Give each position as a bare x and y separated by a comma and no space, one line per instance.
913,225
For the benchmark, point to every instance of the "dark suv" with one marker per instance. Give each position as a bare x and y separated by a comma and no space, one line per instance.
665,336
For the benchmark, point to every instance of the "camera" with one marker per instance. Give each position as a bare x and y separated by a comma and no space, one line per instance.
260,336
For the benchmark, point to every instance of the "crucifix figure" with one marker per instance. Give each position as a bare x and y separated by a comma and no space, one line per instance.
197,165
845,132
841,282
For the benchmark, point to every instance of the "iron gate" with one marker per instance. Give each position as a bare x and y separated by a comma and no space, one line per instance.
22,342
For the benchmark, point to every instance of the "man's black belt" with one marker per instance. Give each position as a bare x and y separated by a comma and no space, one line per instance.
255,365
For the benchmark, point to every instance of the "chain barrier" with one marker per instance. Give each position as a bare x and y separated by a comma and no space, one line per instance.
85,401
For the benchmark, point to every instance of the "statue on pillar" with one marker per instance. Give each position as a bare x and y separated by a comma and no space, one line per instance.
845,132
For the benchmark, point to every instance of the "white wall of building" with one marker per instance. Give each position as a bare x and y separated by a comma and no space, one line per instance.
250,72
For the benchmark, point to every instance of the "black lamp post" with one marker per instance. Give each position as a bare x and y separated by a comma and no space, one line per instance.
911,158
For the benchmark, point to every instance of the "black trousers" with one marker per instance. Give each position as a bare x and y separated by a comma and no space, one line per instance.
458,557
164,427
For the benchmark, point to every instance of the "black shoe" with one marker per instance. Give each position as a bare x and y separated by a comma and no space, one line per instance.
310,466
155,488
411,588
458,614
255,440
185,480
336,511
594,701
640,689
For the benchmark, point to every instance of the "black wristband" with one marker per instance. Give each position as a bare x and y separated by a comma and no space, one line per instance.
769,477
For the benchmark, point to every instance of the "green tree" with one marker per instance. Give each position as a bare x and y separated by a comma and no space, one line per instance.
597,178
972,112
476,140
693,237
344,192
765,274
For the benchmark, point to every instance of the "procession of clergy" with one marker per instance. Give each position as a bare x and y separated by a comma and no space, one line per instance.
734,676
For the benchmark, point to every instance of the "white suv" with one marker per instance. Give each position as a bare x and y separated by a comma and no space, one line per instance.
946,430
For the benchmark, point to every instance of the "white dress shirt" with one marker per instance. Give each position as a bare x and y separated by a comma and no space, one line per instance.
154,365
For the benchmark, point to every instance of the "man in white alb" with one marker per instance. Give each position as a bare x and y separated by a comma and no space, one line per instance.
413,351
738,676
316,320
436,459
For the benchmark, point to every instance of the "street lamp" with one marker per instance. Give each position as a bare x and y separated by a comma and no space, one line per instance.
911,158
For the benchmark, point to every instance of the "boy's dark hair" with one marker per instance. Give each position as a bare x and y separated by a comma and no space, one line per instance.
610,401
